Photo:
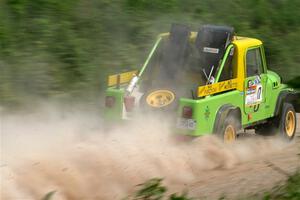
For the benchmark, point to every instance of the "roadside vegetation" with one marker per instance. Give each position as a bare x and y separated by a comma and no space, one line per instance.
155,190
289,191
65,49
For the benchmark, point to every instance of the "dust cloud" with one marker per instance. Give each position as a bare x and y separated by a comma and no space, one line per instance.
75,155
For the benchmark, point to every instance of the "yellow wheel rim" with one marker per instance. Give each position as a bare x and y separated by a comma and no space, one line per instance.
160,98
229,134
290,123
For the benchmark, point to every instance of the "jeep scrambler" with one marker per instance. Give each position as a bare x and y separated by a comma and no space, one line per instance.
213,81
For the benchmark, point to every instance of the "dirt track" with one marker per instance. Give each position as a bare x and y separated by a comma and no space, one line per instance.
253,177
55,152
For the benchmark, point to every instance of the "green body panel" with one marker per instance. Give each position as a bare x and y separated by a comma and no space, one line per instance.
270,95
273,92
205,110
115,113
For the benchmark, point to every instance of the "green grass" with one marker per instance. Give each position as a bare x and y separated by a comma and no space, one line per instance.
289,191
154,190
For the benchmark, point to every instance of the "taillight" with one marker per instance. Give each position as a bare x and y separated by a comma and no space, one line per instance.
187,112
129,103
110,101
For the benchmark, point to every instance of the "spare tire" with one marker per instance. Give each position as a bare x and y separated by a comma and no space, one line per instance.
159,99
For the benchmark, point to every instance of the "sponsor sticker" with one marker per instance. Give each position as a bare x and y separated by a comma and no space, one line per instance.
210,50
254,92
217,87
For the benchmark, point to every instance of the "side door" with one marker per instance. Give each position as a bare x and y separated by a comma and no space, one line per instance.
255,84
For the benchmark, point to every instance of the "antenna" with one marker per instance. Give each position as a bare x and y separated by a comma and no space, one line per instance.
210,75
205,73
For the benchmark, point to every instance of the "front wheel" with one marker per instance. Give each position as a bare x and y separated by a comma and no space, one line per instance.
287,122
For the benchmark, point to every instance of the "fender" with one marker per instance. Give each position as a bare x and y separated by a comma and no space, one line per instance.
287,96
223,113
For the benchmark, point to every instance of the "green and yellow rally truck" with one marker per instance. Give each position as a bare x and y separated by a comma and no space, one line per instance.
213,81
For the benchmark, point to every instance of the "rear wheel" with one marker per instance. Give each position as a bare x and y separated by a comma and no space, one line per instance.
228,132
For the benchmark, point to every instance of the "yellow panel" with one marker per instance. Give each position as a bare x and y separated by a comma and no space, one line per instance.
241,45
124,78
217,87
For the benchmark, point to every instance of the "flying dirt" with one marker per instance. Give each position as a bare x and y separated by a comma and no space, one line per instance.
70,154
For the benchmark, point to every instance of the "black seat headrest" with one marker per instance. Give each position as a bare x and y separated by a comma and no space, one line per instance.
179,34
175,50
211,43
214,39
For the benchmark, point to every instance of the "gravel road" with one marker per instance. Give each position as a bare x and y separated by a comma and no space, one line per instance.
70,153
255,176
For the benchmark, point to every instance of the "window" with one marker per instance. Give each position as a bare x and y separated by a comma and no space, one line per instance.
254,62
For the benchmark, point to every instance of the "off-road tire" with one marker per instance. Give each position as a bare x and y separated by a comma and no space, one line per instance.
287,122
228,130
170,107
